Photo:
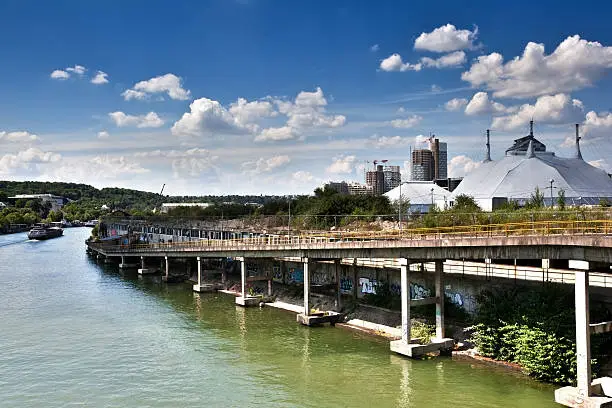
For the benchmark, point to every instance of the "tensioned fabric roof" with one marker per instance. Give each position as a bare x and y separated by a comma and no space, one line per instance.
418,192
517,176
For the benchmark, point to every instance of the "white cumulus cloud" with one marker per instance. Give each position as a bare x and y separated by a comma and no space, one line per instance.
547,109
445,39
480,104
100,78
451,60
342,165
60,74
26,160
394,62
207,117
459,166
169,84
18,137
302,177
411,121
150,120
455,104
381,142
575,64
263,165
103,134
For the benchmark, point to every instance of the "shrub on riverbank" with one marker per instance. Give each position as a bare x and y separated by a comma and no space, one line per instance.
534,327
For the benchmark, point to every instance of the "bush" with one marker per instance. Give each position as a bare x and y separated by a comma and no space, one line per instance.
535,327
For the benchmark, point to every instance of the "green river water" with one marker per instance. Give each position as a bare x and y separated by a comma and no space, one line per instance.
77,334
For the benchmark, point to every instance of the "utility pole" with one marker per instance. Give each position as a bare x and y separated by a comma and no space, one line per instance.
432,197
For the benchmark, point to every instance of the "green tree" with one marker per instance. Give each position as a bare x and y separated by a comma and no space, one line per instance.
536,200
561,199
54,216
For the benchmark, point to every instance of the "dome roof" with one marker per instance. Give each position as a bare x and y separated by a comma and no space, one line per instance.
516,177
418,192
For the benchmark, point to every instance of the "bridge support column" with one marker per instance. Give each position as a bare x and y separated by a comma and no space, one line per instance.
199,287
313,319
167,266
337,277
406,346
583,395
306,287
244,299
143,269
439,300
124,264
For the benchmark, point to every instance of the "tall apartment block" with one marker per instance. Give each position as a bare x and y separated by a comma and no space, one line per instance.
430,164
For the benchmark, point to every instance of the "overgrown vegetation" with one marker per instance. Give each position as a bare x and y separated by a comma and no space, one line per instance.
535,327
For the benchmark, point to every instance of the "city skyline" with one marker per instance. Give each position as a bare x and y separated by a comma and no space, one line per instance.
249,97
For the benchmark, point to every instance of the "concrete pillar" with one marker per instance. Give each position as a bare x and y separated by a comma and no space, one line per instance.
142,262
269,287
224,274
167,268
338,293
583,335
405,288
439,300
242,277
143,270
306,287
355,279
199,260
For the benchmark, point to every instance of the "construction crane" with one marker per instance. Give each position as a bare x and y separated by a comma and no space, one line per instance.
379,161
162,190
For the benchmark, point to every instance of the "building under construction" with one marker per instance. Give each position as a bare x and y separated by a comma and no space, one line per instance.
430,164
383,178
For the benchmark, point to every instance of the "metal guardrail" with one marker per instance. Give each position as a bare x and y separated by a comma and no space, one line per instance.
535,228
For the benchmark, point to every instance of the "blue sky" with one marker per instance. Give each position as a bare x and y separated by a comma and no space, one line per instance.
251,96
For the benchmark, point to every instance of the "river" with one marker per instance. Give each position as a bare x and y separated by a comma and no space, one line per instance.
77,333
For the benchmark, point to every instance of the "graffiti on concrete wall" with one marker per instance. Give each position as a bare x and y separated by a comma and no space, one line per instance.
252,269
319,278
277,274
346,285
367,285
418,292
296,275
395,288
454,297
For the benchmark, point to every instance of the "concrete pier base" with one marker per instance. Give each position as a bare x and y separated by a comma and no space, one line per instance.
207,287
417,350
601,390
127,265
247,301
316,319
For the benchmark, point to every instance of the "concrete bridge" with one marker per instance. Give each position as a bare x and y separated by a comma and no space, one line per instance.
589,243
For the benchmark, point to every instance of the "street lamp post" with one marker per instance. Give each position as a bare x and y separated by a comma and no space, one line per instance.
399,210
551,193
432,197
289,222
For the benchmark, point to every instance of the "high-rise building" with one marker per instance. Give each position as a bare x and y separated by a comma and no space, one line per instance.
430,164
392,177
422,165
359,189
341,187
376,180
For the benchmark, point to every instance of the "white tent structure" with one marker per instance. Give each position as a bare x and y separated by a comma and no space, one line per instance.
418,195
527,166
